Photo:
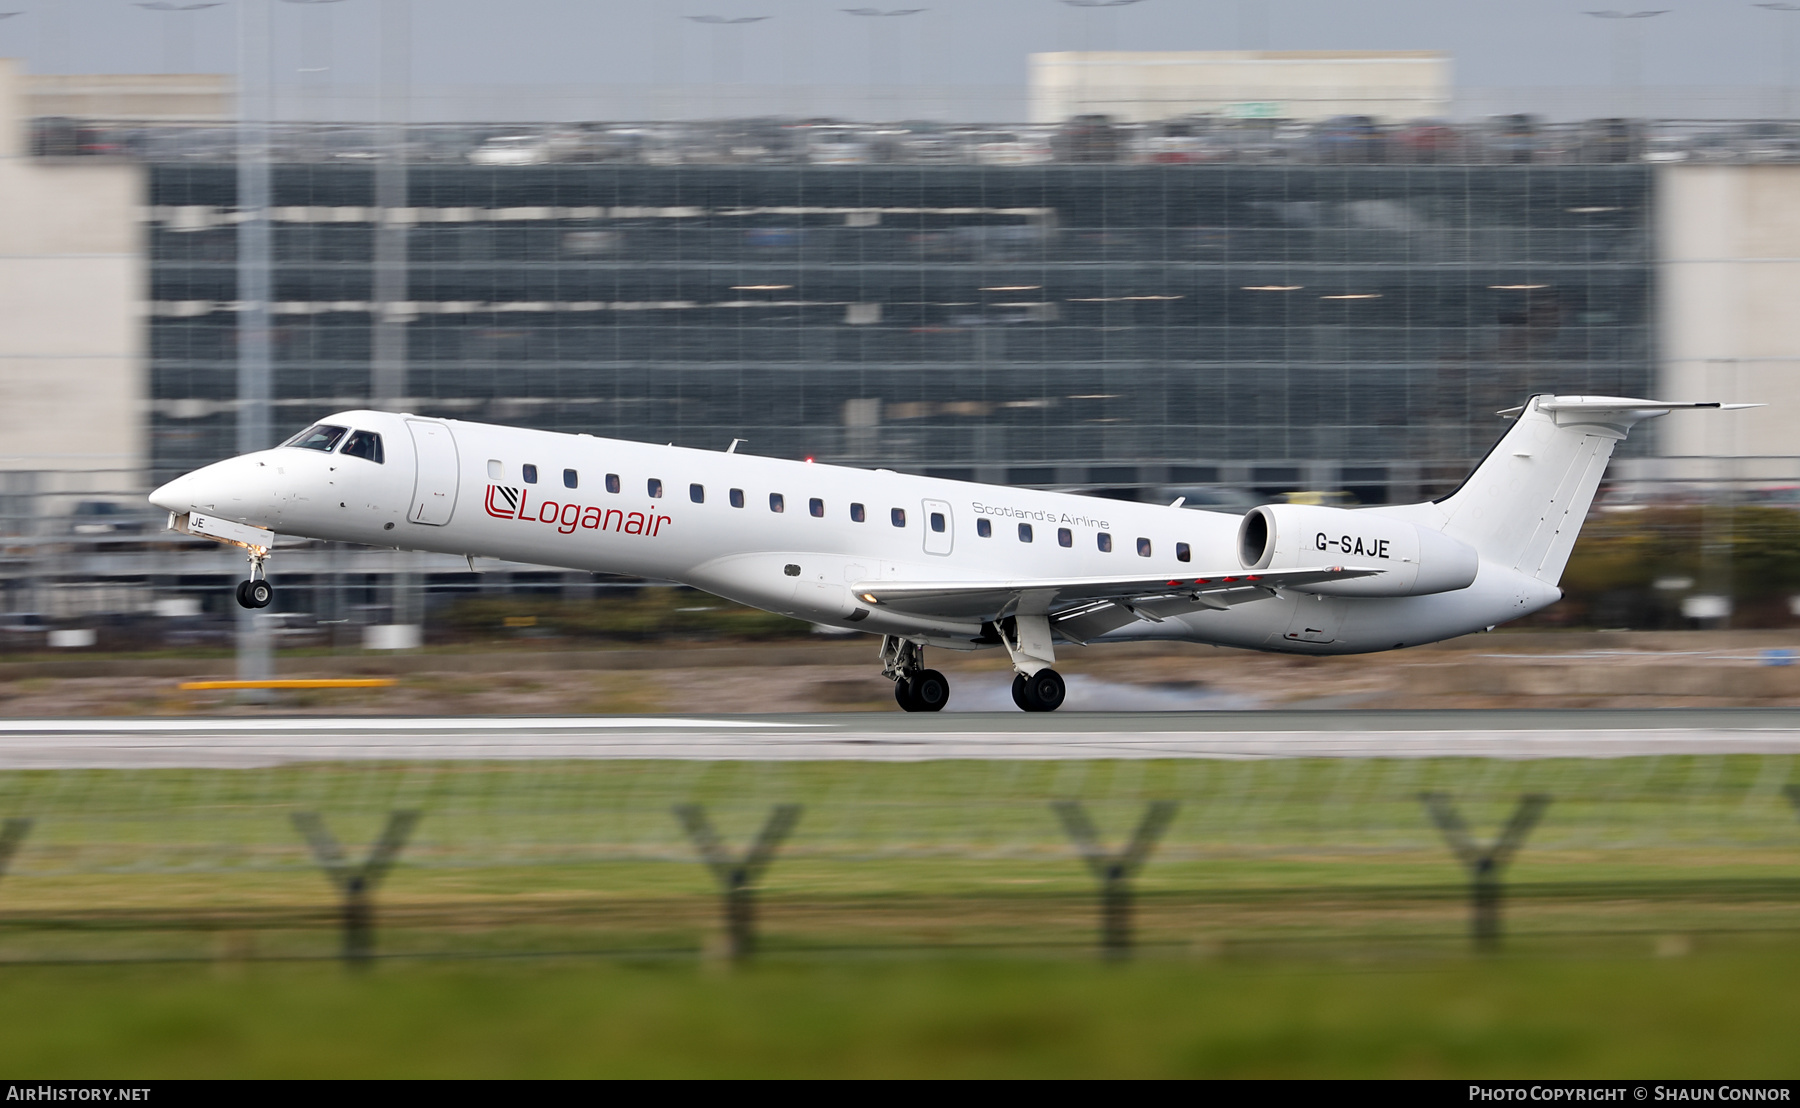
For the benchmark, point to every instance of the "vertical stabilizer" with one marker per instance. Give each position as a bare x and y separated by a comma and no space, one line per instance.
1523,506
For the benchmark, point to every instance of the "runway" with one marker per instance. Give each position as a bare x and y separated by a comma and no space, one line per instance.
238,741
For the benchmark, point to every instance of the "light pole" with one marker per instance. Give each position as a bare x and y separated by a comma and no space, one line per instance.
178,47
1084,97
727,47
254,286
315,47
1787,55
876,16
1627,51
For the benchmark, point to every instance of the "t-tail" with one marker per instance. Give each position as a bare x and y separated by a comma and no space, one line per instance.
1523,506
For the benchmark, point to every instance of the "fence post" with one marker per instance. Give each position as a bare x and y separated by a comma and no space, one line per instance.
357,884
12,833
1115,871
1485,866
737,878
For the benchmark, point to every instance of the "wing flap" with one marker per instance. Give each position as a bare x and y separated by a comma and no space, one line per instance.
992,599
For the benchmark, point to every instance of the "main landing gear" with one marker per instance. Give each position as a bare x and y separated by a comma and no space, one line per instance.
1036,687
1043,691
916,688
256,592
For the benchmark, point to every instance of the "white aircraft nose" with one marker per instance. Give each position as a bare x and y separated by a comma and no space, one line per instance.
176,496
209,488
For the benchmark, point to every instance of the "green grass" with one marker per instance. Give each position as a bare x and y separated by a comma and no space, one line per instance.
1300,918
1718,1014
548,857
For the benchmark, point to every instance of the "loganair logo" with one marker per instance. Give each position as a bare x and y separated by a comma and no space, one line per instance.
510,503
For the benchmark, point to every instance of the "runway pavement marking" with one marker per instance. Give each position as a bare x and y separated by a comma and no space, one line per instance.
221,743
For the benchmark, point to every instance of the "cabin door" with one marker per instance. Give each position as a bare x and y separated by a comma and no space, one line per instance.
435,472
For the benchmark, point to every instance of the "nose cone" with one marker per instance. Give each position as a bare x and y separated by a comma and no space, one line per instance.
176,496
220,487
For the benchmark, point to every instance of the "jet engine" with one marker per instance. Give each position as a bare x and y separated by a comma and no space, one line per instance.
1416,560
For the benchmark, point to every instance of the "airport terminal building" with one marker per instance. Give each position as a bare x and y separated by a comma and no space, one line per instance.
1271,326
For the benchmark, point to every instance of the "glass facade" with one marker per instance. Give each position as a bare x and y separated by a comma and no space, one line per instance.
1274,326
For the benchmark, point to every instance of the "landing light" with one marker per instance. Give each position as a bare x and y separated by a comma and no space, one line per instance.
868,598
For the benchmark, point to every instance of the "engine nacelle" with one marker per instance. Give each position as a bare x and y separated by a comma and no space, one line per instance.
1417,560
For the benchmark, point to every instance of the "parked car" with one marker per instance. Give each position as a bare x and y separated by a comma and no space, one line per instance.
1349,138
1088,138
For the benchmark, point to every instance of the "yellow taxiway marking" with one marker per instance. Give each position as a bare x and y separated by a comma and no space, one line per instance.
293,683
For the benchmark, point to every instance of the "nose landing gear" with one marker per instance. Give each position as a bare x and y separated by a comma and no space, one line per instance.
916,689
256,592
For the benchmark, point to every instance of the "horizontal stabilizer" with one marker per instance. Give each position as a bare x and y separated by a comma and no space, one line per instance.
1632,410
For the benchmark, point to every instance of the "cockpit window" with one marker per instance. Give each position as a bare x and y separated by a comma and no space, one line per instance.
320,436
364,444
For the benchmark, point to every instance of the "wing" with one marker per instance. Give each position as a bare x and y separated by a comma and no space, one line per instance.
994,599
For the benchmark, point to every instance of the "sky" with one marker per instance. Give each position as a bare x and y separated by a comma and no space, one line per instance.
1496,43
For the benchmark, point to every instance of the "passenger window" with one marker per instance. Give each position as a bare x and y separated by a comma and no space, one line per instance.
612,482
1105,541
816,507
1143,548
1024,532
1182,553
367,445
496,471
571,479
777,503
737,498
937,522
529,473
984,528
856,513
322,436
655,488
697,493
898,515
1065,537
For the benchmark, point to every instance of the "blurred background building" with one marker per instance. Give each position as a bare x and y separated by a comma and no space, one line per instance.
1142,86
1256,273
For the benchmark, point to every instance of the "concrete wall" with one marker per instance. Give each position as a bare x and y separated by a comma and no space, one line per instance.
1727,239
1288,84
73,276
112,96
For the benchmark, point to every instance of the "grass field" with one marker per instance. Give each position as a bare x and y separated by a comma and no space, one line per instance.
1727,1013
586,856
1299,917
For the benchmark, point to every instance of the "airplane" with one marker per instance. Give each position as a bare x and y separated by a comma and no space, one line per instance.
929,562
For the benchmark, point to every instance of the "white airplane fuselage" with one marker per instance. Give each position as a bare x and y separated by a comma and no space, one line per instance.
784,536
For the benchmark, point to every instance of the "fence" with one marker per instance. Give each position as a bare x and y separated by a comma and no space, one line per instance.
468,859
